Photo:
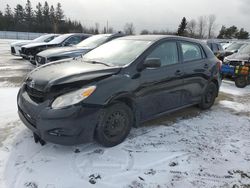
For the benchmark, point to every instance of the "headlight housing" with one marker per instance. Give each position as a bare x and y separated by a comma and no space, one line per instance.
73,97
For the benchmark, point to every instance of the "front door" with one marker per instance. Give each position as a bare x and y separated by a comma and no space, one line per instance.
161,88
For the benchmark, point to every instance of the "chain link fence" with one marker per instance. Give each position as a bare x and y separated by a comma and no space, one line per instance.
19,35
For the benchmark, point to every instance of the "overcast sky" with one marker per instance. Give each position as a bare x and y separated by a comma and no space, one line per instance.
150,14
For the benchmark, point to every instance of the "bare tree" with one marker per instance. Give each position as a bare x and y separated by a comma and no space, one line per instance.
202,24
211,25
191,27
97,25
111,30
145,32
129,29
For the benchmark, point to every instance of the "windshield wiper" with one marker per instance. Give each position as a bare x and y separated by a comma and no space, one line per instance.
98,62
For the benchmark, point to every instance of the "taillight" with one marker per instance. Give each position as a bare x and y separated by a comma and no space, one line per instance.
219,65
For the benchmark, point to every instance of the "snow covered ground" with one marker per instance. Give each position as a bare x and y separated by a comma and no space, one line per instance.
190,148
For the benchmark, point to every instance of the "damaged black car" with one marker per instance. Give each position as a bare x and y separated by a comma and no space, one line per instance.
117,86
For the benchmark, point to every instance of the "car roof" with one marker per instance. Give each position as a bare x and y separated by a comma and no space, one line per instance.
155,38
81,34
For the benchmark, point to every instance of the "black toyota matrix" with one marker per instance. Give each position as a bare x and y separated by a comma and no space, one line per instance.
117,86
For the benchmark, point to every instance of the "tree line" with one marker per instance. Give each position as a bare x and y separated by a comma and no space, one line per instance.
49,19
43,18
203,27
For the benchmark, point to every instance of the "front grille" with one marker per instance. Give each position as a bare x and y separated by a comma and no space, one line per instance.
28,118
23,50
40,60
36,95
13,51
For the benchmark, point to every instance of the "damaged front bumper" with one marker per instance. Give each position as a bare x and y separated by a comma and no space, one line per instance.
70,126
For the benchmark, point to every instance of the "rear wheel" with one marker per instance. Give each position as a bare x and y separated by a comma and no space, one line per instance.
209,96
114,125
241,82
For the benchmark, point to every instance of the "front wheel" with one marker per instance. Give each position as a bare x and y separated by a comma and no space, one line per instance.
241,82
209,96
114,125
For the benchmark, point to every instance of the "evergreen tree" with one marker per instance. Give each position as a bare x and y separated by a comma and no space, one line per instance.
242,34
28,15
182,27
59,12
222,32
52,18
19,14
38,17
43,19
1,21
9,20
46,15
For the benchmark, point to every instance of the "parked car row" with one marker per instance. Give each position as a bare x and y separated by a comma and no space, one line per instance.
16,46
115,86
80,49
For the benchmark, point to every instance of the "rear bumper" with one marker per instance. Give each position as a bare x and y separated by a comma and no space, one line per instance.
70,126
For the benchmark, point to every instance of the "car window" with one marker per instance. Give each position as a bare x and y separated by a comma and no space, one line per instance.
167,52
74,40
49,39
191,51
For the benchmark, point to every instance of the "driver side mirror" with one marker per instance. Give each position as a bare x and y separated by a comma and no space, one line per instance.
152,63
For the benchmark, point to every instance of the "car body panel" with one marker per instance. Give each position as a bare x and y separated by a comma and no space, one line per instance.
152,91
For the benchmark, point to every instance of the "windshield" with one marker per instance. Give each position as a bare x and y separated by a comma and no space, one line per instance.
59,39
42,38
93,42
235,46
245,50
118,52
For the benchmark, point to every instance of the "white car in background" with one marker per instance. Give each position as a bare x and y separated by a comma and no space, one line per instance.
16,46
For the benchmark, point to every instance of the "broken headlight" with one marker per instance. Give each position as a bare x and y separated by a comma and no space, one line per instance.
73,97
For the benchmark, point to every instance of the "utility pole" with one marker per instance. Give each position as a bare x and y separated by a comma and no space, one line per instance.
107,26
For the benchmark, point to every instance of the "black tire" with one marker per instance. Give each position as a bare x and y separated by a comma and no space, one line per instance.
241,82
114,125
33,62
209,96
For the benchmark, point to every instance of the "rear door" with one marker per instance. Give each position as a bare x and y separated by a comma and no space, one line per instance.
195,69
161,88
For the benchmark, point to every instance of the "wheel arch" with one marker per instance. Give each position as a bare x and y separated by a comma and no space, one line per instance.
217,85
129,100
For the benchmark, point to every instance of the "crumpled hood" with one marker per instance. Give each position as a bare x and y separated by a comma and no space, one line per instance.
36,44
21,43
63,72
61,51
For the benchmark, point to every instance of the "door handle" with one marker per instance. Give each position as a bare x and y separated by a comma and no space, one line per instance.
178,73
206,66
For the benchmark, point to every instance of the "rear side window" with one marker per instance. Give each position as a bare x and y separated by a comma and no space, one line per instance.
215,47
167,52
50,39
191,51
220,47
74,40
